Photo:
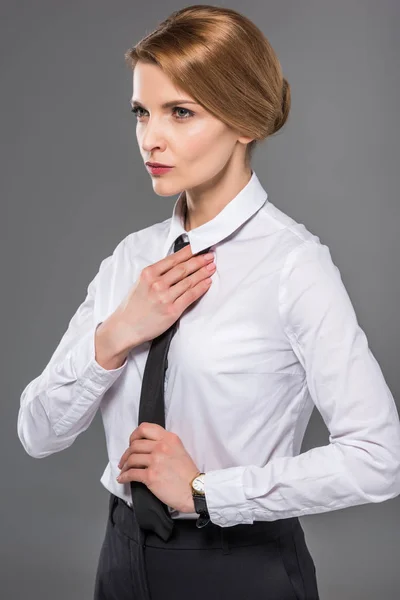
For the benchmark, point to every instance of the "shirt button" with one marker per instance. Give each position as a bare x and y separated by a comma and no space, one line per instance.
239,516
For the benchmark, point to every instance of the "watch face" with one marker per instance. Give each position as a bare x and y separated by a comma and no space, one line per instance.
198,484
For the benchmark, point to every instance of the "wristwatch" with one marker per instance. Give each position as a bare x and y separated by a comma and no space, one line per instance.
199,499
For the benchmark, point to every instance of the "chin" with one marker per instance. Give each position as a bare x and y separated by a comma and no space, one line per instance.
165,188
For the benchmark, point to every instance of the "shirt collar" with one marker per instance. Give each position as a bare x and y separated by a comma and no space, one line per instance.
244,205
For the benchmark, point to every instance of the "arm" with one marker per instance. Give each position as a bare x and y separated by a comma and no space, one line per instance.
361,464
61,402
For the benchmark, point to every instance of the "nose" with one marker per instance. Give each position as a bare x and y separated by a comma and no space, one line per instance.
151,135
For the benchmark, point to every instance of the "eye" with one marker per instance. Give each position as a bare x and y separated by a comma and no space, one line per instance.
188,112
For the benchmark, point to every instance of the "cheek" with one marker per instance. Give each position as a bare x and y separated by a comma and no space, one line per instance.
206,143
195,140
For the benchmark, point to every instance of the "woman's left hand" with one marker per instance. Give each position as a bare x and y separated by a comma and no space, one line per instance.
157,458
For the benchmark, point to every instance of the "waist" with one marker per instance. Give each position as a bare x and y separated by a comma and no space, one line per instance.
187,535
174,514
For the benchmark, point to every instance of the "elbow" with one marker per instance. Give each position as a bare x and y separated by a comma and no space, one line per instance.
392,480
33,451
383,490
39,448
385,475
31,445
376,476
37,439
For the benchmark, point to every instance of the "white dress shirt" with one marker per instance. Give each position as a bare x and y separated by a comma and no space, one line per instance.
275,335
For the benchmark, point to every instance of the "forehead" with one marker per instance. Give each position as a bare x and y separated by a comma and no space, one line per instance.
152,87
150,77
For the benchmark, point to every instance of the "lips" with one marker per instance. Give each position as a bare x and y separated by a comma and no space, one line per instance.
158,170
155,164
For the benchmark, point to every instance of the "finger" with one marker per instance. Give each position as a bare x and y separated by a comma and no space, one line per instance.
165,264
136,460
124,457
142,446
191,294
133,475
191,288
146,430
183,270
150,431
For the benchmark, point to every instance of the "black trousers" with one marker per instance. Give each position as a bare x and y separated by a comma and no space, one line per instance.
267,560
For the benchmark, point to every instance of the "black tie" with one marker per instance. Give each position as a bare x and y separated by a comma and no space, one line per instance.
151,513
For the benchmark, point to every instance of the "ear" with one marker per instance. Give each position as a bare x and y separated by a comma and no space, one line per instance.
245,140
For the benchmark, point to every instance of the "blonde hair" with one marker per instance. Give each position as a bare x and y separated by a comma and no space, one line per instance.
225,62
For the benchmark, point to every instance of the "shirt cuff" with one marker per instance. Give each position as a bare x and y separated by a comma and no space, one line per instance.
92,376
226,501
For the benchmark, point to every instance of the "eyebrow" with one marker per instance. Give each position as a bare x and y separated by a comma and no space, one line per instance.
134,103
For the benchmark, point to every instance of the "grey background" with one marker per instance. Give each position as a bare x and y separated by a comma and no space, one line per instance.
73,185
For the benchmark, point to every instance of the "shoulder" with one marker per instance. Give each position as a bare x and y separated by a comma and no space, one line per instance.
297,246
137,243
292,233
311,290
146,237
304,262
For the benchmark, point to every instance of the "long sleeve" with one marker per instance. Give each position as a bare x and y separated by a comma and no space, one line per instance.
361,463
61,402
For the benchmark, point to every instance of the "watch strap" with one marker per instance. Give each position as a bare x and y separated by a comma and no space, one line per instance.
200,506
203,520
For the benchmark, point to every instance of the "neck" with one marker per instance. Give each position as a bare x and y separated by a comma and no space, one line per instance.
203,203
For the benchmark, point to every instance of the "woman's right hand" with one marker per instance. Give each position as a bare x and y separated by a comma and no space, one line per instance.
161,294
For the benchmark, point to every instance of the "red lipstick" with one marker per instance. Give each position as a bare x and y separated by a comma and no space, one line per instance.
156,168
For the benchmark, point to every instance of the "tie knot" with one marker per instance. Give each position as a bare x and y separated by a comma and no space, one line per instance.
180,243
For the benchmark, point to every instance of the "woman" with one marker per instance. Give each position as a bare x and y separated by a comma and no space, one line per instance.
205,494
